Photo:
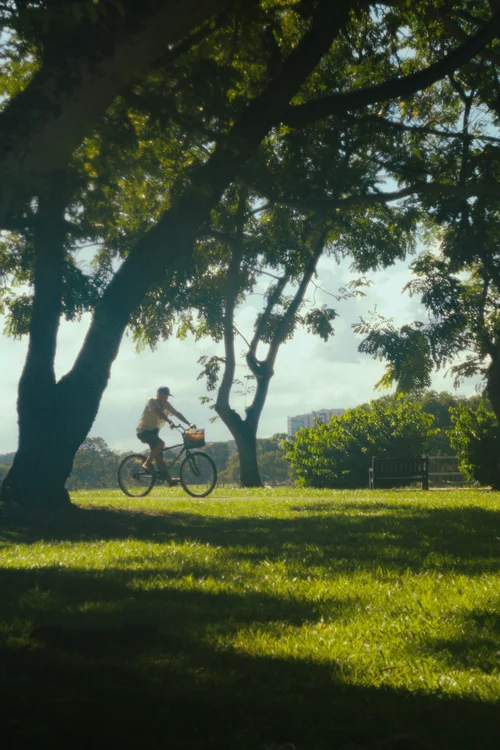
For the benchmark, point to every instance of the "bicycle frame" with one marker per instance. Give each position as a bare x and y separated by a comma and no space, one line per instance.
176,458
183,448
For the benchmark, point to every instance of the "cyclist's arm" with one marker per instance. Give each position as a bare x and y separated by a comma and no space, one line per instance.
177,414
166,416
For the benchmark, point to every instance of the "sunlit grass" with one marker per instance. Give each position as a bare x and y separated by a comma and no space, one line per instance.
394,593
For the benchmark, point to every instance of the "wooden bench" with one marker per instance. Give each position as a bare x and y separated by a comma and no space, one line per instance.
395,470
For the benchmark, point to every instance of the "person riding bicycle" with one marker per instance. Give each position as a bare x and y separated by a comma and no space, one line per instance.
155,414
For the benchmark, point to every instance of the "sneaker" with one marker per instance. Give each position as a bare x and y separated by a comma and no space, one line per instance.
161,476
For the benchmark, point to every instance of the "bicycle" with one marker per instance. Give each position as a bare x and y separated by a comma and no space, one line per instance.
198,473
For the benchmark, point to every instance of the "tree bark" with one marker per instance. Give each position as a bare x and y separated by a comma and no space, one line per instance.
246,442
493,382
43,460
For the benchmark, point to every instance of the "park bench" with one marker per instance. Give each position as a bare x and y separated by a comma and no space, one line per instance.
396,472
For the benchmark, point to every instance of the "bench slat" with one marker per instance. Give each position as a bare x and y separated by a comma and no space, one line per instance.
399,468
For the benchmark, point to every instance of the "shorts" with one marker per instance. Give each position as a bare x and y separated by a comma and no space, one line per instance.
151,437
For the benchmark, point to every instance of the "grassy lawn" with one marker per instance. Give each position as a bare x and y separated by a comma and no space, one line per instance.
265,620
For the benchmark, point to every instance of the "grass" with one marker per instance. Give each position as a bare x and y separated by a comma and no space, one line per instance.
263,620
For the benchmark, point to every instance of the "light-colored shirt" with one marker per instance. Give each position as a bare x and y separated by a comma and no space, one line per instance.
150,420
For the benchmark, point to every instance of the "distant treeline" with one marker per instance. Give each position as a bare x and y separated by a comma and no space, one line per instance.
96,464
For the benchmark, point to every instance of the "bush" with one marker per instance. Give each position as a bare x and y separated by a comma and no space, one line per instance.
338,454
475,438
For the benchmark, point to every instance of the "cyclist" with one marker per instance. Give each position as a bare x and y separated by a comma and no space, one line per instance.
155,414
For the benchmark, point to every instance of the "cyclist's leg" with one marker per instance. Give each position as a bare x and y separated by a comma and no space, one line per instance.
157,455
156,444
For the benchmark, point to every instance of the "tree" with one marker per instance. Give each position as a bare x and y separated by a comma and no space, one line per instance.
275,325
69,406
58,415
459,283
475,437
338,454
463,330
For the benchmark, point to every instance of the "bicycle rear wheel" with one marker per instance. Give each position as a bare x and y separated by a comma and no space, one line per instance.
198,474
132,478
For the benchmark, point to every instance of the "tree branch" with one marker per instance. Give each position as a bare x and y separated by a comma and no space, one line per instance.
300,115
263,322
439,189
170,241
422,129
42,126
298,298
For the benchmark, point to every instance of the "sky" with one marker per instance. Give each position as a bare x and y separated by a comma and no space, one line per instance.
309,373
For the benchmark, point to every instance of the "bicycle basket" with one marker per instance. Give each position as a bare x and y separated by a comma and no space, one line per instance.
194,438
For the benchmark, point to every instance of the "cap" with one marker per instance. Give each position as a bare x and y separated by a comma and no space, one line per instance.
166,390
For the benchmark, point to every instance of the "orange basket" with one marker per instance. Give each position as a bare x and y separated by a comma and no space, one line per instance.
194,438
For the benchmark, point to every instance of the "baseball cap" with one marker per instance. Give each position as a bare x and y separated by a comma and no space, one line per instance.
166,390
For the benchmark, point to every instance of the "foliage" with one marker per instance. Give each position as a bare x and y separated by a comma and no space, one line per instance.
457,277
475,437
95,466
463,330
221,453
438,405
338,454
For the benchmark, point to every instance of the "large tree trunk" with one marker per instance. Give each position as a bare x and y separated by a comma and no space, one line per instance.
493,391
493,382
43,460
47,447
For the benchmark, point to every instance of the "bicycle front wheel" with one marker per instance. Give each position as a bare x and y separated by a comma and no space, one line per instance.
132,478
198,474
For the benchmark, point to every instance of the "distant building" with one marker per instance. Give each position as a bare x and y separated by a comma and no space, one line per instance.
307,420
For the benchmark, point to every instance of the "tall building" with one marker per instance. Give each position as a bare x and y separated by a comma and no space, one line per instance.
307,420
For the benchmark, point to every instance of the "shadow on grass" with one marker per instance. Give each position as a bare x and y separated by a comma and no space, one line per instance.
96,658
464,539
476,649
104,665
